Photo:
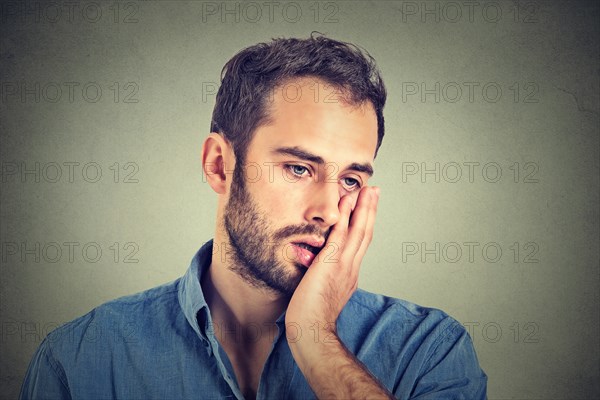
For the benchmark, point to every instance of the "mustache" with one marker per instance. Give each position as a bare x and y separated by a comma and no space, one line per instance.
311,230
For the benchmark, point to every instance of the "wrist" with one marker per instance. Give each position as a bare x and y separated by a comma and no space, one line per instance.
311,333
314,346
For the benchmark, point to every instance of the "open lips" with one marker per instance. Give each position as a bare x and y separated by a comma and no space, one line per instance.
312,249
307,248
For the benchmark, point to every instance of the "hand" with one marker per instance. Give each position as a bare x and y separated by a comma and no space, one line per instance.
332,278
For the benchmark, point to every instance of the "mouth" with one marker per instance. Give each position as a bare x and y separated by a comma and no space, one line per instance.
307,250
312,249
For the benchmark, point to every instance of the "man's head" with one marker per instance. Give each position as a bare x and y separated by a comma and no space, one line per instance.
309,141
250,78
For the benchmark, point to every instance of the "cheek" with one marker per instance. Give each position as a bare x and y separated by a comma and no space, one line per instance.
277,199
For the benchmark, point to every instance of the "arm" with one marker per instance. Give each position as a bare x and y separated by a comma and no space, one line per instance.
447,366
450,369
45,377
333,372
330,369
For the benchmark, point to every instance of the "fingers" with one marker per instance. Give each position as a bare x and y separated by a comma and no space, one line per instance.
369,229
339,232
361,225
354,226
352,234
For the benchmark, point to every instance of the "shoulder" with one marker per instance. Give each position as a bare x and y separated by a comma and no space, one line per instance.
107,340
411,348
116,318
398,319
372,306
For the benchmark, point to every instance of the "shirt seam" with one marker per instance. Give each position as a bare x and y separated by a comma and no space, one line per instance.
395,304
446,333
363,305
56,367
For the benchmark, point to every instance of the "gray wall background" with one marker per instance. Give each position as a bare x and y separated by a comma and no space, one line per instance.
501,98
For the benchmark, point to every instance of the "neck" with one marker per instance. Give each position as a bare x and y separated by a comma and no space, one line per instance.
232,301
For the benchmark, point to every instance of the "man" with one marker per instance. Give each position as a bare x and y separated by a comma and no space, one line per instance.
270,308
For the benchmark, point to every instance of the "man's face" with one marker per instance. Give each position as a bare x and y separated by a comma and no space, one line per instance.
316,150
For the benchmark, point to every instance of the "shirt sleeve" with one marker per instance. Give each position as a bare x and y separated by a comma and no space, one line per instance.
452,371
45,378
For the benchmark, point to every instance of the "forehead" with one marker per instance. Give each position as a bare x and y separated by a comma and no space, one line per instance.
312,114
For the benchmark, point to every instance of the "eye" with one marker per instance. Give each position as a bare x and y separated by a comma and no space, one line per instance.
297,170
352,183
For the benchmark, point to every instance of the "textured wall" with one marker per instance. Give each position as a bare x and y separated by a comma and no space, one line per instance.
489,168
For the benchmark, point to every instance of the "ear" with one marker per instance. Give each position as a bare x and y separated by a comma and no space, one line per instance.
216,154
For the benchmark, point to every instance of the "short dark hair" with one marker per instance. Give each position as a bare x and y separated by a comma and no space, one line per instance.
253,73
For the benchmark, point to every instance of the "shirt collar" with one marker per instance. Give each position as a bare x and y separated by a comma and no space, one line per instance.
190,294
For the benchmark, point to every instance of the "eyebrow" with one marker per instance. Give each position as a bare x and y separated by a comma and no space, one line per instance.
299,152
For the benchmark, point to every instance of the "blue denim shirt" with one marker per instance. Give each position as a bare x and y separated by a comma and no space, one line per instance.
158,344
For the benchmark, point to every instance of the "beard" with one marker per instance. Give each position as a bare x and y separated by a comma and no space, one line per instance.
258,254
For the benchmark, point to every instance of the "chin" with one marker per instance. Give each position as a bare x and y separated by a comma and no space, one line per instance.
297,272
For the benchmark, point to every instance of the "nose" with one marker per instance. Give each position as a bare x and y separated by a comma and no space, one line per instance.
322,205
